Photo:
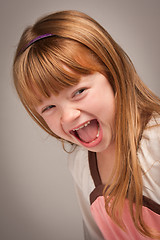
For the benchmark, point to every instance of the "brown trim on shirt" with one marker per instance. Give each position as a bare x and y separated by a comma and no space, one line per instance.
94,168
147,202
98,191
152,205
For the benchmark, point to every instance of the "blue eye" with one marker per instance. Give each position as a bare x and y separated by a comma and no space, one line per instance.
47,108
79,91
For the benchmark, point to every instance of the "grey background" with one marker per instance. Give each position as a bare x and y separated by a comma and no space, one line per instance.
37,199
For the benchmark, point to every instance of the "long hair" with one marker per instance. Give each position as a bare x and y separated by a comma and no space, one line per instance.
84,46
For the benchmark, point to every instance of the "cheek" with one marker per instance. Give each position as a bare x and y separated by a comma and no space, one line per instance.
105,105
53,123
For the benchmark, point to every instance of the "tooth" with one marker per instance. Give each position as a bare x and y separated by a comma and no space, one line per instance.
98,133
85,125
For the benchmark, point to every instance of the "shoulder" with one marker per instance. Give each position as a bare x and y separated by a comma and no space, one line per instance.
153,125
151,137
149,158
79,167
78,157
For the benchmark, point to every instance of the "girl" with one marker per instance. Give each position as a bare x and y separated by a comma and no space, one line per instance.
80,86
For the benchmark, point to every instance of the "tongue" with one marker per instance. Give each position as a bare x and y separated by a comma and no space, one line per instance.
89,133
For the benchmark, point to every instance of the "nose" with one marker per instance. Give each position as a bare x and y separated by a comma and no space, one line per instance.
69,115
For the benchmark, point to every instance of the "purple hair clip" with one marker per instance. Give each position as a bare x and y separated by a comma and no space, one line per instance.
35,40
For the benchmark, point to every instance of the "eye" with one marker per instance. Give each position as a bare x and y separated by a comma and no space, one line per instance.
78,92
48,108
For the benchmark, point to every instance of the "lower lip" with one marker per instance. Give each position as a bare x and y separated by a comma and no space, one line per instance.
95,142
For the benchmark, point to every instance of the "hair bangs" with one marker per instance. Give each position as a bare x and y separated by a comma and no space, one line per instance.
50,67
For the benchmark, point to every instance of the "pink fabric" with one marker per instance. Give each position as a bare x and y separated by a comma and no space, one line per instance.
111,231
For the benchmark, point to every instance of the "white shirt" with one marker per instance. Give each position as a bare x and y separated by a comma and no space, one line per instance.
149,157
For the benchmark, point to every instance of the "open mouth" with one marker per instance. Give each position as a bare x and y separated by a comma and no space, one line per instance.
88,132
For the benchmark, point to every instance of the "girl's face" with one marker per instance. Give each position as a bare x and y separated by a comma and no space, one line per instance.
83,114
